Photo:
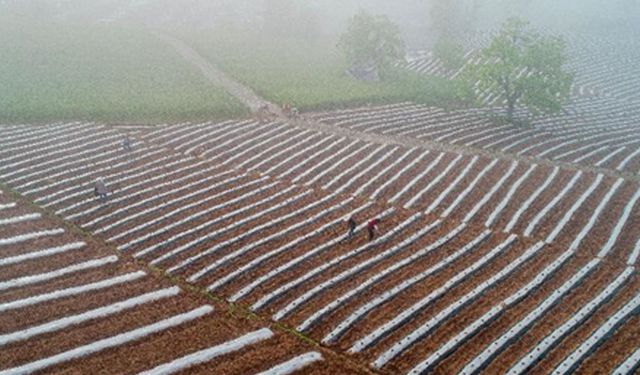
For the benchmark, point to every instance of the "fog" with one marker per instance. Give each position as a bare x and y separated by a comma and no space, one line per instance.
421,21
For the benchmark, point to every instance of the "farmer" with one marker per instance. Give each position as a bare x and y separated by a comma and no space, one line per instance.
100,190
372,226
126,144
351,223
263,114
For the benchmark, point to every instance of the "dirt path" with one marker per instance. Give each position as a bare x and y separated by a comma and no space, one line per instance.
213,74
254,102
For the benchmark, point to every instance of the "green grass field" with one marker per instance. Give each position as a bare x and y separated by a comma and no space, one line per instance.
113,74
310,75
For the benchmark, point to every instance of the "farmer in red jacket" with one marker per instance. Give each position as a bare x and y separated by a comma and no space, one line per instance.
372,226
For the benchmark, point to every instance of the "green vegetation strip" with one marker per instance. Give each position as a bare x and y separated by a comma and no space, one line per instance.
105,73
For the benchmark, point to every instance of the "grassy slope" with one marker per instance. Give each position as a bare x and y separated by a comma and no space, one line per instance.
113,73
309,75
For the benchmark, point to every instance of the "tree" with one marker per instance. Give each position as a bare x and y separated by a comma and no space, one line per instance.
524,68
372,41
450,52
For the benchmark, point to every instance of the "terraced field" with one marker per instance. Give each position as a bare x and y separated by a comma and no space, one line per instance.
483,263
71,305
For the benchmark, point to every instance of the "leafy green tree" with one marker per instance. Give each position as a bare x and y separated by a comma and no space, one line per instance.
372,40
524,68
450,52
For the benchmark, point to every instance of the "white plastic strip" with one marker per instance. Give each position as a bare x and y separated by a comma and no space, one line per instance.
207,355
569,214
596,337
294,365
102,312
34,279
41,253
33,300
558,197
527,204
20,219
29,236
629,365
387,295
108,343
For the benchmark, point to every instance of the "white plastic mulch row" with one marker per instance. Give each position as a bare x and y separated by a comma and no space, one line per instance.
30,162
487,197
235,254
363,172
334,154
454,184
417,178
325,143
51,145
60,163
29,236
91,174
469,188
207,355
331,161
98,313
136,192
374,180
382,274
623,164
527,203
7,205
622,221
433,182
87,187
387,295
270,153
577,318
110,342
41,253
629,366
401,345
147,224
400,174
20,219
557,198
490,315
292,263
159,207
239,151
516,330
371,151
197,142
90,171
294,365
576,205
266,256
25,133
144,170
147,201
345,275
34,279
220,150
291,306
408,313
218,232
287,150
194,229
308,156
498,210
73,291
604,331
596,214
